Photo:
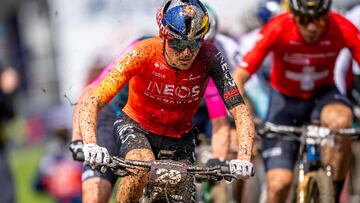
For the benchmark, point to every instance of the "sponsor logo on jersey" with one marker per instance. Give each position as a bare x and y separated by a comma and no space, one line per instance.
160,66
225,69
159,75
171,93
125,60
305,59
192,77
325,43
293,42
307,77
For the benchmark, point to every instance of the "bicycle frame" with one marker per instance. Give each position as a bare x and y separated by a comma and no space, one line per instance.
309,160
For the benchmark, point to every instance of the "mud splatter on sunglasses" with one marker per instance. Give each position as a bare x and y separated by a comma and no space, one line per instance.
180,45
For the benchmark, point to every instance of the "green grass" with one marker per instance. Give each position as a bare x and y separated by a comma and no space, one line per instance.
24,162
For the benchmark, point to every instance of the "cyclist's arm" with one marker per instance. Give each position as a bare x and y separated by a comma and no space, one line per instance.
76,135
127,66
220,137
351,36
252,60
234,102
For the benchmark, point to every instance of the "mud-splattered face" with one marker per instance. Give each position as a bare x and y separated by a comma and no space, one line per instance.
180,54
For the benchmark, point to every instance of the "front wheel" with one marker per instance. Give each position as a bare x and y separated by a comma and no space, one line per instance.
320,189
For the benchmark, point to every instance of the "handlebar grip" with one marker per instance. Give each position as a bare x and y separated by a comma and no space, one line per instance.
79,156
253,172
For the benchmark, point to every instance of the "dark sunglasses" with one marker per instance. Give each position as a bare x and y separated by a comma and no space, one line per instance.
180,45
306,20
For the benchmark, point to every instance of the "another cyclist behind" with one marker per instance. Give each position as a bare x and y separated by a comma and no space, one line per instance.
304,44
167,77
347,80
97,186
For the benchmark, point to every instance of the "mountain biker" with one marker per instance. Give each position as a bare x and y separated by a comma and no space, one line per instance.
167,77
350,86
97,186
304,43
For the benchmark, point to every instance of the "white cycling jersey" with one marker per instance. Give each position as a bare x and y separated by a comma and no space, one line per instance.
344,61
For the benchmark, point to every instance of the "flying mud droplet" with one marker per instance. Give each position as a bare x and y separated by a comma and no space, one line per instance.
43,89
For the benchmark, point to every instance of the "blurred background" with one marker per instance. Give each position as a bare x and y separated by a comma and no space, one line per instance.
49,51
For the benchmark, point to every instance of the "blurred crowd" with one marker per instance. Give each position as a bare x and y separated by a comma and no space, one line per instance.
50,50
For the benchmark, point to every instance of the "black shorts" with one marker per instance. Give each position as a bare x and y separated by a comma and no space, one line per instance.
284,110
130,135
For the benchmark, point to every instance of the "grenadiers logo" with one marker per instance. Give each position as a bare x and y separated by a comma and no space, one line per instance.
125,60
225,69
170,93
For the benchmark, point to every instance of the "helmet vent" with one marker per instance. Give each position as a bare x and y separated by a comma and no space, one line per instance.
166,6
200,31
173,30
188,24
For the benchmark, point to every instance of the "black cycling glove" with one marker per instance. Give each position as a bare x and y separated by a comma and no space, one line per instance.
217,162
76,148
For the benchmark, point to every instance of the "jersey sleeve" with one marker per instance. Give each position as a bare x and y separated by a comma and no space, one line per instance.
123,70
219,72
266,37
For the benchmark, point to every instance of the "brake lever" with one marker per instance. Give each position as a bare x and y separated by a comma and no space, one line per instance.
122,172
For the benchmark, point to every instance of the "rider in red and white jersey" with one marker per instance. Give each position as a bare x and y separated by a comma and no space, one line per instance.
304,44
167,77
300,68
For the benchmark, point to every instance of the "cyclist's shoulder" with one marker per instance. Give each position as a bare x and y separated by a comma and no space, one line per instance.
207,49
148,45
145,50
342,26
278,26
150,40
339,20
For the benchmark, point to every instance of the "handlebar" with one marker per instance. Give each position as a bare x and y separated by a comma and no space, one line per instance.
121,167
309,131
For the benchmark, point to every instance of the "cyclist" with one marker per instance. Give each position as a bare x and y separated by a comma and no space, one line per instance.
348,82
97,186
167,77
304,44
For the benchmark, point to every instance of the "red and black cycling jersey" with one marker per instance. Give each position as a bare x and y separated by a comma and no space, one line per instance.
161,99
300,69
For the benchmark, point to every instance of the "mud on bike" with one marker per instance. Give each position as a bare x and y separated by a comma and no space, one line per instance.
170,181
314,178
